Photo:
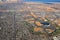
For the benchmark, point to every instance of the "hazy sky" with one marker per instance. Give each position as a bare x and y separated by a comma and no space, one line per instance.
43,0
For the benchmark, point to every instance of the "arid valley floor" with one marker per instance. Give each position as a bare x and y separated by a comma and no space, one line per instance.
29,21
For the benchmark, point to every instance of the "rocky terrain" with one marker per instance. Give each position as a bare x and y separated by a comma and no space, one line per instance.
15,24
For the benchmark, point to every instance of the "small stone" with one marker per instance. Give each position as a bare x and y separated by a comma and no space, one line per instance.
0,28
